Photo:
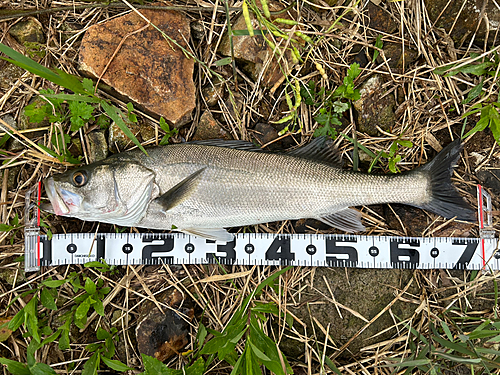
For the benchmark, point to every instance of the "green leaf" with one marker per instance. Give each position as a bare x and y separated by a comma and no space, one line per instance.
102,334
54,283
17,321
458,359
47,299
201,335
404,143
379,44
197,368
154,367
51,338
447,330
353,71
42,369
480,126
115,364
81,109
224,61
88,85
331,365
90,367
98,307
259,354
81,313
90,286
115,114
14,367
5,228
474,93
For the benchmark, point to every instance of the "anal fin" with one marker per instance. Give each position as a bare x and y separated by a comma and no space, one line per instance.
215,234
348,220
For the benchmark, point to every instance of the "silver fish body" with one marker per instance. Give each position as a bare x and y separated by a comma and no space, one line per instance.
203,188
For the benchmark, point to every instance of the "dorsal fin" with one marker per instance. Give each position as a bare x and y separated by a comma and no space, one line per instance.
319,149
237,145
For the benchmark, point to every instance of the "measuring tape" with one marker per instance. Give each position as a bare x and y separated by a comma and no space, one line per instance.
263,249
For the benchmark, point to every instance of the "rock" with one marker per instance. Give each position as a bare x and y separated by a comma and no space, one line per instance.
373,108
265,133
118,141
29,31
380,19
9,74
394,53
212,92
162,335
197,30
12,276
147,69
465,25
253,53
208,128
12,180
98,147
366,292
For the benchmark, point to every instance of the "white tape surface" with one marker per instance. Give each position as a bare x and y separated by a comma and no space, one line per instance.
267,249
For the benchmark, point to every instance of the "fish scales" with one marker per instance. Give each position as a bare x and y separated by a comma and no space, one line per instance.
243,188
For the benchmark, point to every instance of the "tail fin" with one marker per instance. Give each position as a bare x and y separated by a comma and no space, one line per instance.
445,199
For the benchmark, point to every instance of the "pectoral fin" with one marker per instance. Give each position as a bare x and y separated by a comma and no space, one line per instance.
347,219
179,192
216,234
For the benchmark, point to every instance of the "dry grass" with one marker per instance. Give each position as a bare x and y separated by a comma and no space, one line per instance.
428,113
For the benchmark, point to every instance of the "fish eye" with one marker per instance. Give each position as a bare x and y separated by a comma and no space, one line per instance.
79,178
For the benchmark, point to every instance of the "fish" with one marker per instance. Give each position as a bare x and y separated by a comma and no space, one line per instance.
202,188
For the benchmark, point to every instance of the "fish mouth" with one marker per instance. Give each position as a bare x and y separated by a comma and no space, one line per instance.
59,207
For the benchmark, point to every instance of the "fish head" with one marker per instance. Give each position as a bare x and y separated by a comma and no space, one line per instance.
113,192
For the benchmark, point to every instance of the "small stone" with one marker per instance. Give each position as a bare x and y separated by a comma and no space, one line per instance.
147,68
163,335
29,31
117,318
253,53
212,92
9,74
12,180
9,119
373,108
208,128
98,147
380,19
197,30
265,133
118,141
394,54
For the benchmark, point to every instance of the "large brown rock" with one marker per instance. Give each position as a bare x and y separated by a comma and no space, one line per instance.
147,68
